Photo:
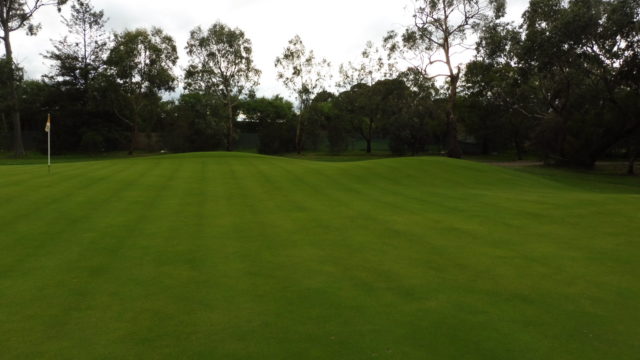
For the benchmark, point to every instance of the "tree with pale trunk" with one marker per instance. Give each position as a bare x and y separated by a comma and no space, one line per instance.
304,75
16,15
441,31
374,65
139,68
221,65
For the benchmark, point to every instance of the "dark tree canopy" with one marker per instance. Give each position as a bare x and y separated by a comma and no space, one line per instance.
140,66
81,54
442,30
16,15
562,86
566,80
221,64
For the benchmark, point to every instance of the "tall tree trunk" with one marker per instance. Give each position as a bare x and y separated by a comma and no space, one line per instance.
516,143
369,137
230,126
453,146
633,156
299,134
134,137
14,104
3,132
485,146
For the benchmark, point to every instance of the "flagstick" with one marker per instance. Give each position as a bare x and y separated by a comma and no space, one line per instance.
49,148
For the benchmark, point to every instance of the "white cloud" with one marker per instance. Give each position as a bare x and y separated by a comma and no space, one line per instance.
334,29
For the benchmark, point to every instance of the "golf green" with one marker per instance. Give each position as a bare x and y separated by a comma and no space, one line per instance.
241,256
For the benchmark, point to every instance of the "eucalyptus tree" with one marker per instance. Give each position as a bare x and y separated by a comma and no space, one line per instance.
80,55
187,126
304,75
441,31
9,73
356,109
75,61
324,113
569,73
7,76
633,152
16,15
221,64
140,68
496,84
374,64
585,57
371,110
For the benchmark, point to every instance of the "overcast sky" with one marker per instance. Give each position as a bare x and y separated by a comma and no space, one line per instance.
334,29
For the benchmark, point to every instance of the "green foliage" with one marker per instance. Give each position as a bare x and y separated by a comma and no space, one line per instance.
5,78
388,108
324,120
275,123
18,14
593,44
80,54
92,142
304,75
277,138
79,95
139,68
194,123
4,133
564,85
566,78
300,71
355,109
338,135
37,100
441,30
9,73
142,61
221,62
266,110
221,65
497,104
407,116
375,64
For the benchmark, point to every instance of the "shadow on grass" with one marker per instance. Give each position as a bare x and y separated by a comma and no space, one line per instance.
595,180
34,158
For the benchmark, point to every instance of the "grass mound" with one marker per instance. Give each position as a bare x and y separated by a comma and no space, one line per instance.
240,256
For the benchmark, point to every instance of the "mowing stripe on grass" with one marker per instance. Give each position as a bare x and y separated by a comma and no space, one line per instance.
241,256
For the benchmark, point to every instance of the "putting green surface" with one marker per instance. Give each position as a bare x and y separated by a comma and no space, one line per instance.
239,256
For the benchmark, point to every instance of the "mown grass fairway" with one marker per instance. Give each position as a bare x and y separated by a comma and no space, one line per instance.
239,256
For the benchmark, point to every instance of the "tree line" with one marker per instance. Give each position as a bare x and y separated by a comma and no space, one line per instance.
563,85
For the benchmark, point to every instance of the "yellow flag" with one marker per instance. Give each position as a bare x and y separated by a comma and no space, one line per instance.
47,128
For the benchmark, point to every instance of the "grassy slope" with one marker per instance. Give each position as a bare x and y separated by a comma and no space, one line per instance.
238,256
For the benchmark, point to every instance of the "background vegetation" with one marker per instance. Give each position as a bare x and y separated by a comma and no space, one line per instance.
563,86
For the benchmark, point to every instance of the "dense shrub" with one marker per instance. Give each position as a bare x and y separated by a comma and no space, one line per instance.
276,138
92,142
